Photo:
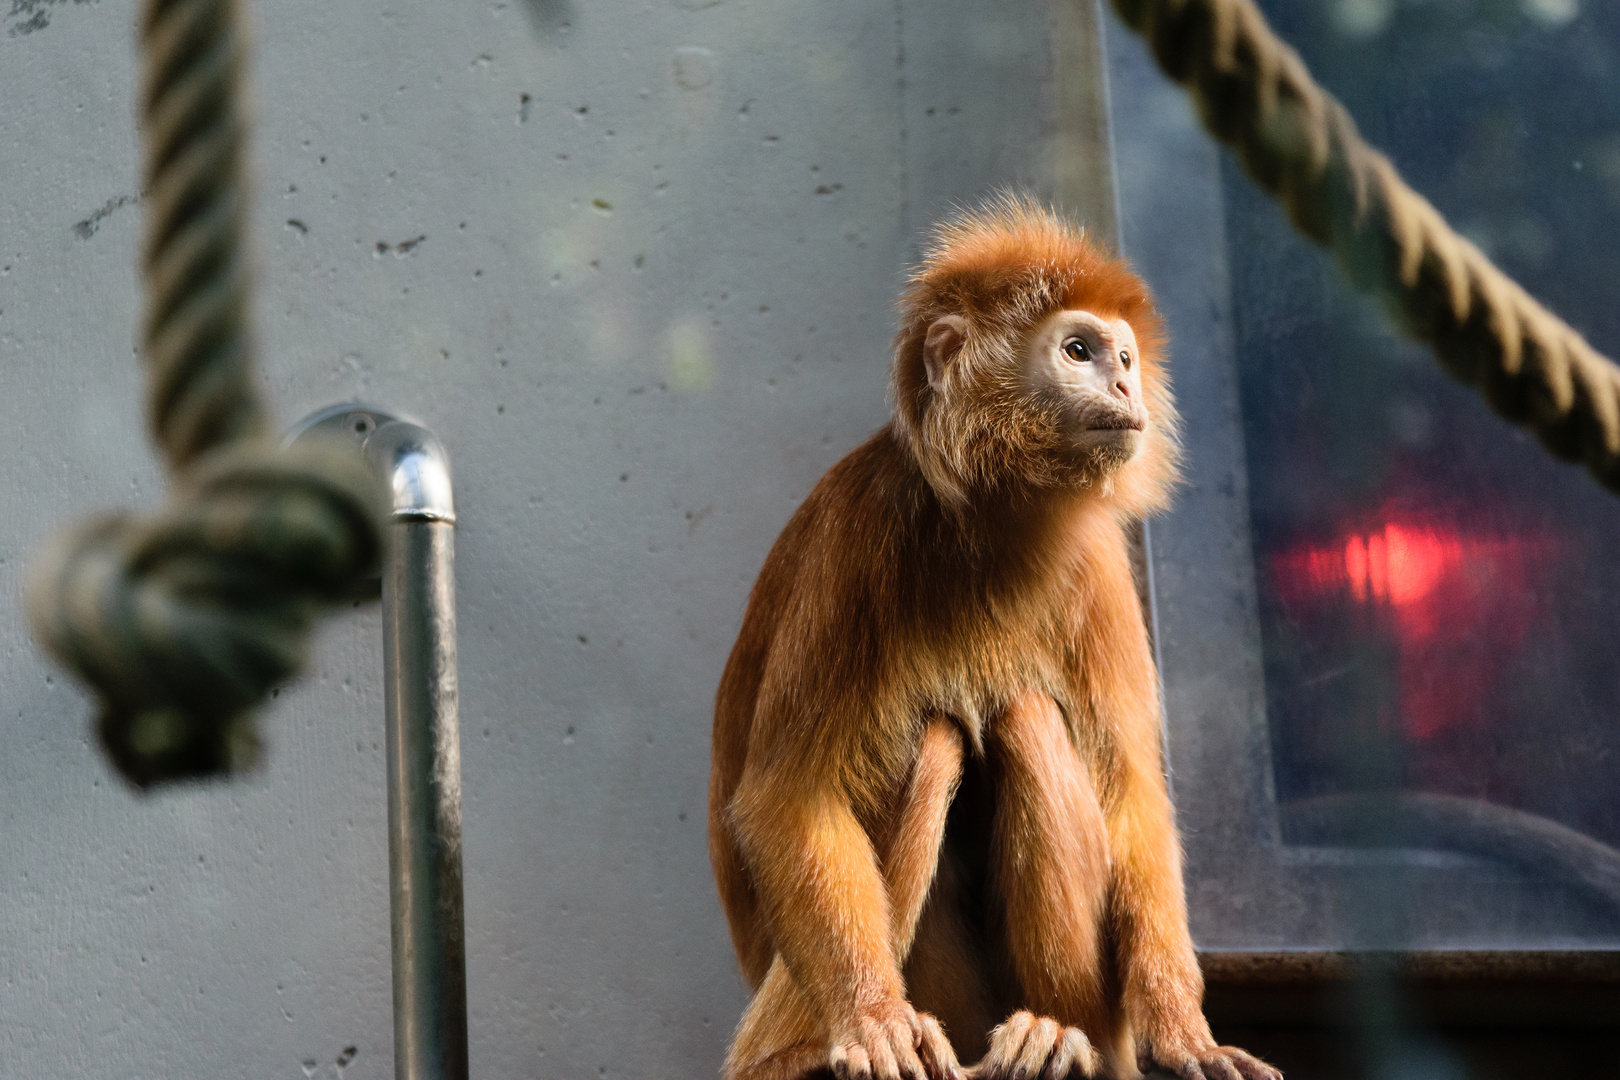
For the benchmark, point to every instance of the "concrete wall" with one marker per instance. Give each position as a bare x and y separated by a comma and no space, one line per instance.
634,262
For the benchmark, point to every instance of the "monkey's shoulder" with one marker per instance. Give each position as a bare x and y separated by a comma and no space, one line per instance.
858,518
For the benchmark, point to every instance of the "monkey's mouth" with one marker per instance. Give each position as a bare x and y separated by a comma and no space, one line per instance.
1118,423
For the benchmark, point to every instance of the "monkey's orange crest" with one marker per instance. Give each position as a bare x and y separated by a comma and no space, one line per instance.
936,814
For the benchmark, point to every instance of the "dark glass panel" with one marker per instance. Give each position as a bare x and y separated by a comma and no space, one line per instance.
1440,599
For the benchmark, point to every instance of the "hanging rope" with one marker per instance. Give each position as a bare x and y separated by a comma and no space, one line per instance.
182,623
1300,144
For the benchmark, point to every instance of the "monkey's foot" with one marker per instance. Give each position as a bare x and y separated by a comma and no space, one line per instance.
1028,1047
1215,1063
898,1044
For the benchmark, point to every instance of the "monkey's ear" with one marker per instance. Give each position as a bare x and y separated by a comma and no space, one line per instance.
945,337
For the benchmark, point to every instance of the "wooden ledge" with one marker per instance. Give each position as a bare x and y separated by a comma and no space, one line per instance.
1288,968
1465,988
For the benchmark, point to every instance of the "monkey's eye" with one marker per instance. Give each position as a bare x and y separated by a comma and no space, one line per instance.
1076,350
1125,358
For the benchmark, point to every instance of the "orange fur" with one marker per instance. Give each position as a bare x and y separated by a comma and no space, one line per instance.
954,603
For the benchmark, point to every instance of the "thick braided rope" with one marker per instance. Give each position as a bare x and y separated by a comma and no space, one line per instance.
183,622
1300,144
198,346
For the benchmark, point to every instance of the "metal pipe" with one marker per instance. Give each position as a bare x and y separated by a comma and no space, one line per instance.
424,739
424,757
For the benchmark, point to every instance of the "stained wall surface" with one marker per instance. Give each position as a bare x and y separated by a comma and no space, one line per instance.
634,262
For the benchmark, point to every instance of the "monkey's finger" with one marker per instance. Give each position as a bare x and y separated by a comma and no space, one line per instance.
850,1062
900,1037
1038,1046
938,1056
905,1056
880,1052
1218,1067
1250,1066
1188,1069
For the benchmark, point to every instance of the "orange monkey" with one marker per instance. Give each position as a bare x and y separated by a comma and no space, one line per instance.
937,800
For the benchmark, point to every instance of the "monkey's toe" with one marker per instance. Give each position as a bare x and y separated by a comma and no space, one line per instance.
1073,1055
1027,1047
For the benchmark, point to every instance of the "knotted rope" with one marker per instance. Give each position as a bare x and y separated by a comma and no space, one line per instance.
183,622
1300,144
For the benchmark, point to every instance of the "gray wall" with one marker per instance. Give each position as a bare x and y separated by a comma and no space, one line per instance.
649,303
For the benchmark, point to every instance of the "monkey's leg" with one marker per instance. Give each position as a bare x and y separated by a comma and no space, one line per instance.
911,852
1050,871
946,971
914,875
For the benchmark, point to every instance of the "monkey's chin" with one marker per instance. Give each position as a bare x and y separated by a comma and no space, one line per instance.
1102,451
1093,456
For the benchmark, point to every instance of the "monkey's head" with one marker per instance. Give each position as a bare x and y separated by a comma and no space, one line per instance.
1029,358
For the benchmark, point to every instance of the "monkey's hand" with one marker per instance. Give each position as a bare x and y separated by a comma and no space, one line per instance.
893,1042
1202,1060
1030,1047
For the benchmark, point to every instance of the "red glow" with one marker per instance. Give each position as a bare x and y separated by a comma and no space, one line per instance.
1457,605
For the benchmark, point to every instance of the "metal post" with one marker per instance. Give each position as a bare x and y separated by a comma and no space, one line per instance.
424,758
424,742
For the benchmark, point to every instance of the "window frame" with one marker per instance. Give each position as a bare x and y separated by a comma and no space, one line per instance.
1248,889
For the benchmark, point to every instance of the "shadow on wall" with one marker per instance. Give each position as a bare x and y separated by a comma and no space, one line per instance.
549,16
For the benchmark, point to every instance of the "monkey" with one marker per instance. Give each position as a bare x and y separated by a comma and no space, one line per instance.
938,817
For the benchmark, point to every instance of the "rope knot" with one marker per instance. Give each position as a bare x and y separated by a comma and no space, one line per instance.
182,622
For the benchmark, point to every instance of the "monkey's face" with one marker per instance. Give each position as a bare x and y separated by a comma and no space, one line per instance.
1085,371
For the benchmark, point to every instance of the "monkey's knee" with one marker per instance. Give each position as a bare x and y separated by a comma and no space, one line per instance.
778,1033
1031,734
1046,796
803,1061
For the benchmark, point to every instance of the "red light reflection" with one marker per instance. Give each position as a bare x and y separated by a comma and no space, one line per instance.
1457,605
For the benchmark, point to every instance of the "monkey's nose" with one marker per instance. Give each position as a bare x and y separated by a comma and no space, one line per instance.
1123,389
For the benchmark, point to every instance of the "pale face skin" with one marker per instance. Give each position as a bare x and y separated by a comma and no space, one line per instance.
1088,366
1091,368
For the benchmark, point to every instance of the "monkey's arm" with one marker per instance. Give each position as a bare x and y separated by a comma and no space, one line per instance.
817,876
1163,987
818,880
1162,983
